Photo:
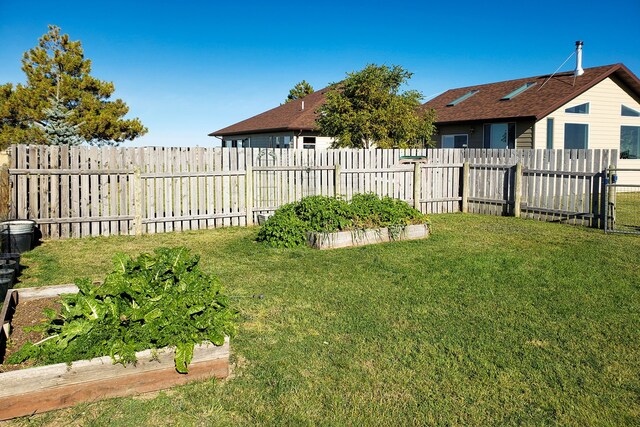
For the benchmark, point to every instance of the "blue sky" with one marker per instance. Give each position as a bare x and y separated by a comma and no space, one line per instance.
189,68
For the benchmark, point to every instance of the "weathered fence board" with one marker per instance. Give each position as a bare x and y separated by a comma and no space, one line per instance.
89,191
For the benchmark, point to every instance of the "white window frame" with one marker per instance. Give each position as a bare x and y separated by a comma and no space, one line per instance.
308,145
577,105
564,135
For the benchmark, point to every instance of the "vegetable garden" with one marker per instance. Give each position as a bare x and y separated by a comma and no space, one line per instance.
492,320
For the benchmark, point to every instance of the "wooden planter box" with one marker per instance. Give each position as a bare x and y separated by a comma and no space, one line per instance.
343,239
44,388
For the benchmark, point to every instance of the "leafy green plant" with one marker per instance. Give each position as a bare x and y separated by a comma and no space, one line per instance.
284,229
153,301
321,214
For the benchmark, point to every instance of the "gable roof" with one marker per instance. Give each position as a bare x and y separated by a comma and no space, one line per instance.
536,102
286,117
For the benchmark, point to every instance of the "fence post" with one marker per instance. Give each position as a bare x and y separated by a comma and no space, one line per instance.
248,186
417,180
465,187
137,202
336,180
517,196
5,192
611,198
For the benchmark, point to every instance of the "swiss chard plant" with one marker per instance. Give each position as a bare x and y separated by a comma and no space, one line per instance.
152,301
289,224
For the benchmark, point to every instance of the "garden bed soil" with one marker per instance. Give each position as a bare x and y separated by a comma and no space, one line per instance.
344,239
44,388
27,314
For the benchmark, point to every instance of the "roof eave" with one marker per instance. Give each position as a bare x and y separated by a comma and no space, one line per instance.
256,131
485,119
614,69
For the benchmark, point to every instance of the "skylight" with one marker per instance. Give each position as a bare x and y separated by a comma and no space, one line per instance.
463,97
518,91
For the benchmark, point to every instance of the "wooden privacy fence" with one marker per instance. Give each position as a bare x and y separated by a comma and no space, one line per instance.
90,191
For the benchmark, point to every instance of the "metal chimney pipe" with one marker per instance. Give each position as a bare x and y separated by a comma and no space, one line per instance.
579,71
302,105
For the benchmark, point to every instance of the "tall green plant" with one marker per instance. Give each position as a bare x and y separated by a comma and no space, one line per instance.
153,301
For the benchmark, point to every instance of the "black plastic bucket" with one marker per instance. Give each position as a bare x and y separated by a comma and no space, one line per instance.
10,261
8,273
5,285
17,235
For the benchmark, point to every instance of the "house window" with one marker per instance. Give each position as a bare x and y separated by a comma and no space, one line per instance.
629,112
462,98
576,136
309,142
455,141
518,91
630,142
578,109
500,135
549,134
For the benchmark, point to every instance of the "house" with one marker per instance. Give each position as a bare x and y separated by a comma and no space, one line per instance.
563,111
584,109
595,107
291,125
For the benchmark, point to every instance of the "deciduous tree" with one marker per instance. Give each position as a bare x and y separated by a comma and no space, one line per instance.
57,69
368,108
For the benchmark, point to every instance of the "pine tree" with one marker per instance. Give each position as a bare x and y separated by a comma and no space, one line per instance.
57,68
300,90
57,126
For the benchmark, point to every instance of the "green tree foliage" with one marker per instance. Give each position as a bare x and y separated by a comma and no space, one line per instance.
300,90
57,68
57,126
368,108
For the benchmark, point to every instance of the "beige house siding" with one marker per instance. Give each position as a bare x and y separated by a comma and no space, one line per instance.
604,120
322,142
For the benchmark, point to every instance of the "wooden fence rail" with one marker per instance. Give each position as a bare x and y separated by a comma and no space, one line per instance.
89,191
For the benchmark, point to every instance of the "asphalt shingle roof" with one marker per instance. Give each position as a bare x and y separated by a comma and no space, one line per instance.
547,95
289,116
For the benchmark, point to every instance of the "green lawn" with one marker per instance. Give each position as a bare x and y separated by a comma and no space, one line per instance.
628,212
490,321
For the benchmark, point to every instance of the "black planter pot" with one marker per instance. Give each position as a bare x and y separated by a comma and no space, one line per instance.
11,260
17,235
5,285
8,273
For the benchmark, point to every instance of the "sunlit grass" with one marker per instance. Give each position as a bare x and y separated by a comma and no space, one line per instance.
628,211
490,321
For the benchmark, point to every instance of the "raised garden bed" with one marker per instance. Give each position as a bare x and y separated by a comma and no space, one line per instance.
343,239
45,388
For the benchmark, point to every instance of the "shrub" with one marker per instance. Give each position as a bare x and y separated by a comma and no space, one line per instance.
288,226
157,300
